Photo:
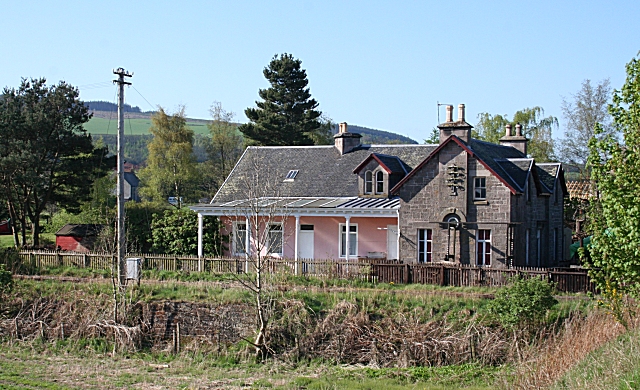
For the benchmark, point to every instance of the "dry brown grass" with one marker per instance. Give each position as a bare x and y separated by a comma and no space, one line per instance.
348,335
548,360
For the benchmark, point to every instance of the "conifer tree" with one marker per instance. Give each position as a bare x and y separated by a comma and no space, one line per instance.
287,114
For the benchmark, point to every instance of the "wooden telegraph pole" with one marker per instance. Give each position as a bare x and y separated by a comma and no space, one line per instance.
122,266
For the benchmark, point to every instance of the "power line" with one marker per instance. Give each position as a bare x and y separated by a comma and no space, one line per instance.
153,108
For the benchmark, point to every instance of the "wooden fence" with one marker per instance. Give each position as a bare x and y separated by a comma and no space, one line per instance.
372,270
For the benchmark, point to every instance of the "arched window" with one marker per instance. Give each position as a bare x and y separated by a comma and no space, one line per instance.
368,182
379,182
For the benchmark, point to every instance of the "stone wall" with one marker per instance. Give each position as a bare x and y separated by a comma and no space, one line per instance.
426,200
219,324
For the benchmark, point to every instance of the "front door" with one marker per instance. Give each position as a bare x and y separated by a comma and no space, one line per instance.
305,242
392,242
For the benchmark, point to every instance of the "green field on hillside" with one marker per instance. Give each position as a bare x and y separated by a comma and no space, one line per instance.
132,126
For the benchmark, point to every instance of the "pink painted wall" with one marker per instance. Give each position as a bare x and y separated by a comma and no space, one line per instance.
326,234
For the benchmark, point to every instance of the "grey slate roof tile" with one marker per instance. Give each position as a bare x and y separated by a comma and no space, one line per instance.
322,171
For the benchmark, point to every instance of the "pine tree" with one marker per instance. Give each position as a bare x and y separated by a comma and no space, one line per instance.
287,114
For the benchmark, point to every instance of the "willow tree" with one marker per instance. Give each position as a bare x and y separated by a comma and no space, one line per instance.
614,261
171,166
535,126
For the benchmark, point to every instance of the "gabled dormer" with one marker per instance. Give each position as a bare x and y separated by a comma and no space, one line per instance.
378,173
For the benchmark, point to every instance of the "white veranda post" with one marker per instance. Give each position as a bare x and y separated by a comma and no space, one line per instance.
296,236
347,228
200,250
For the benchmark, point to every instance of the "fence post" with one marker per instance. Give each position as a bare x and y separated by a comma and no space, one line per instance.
60,262
33,260
406,274
441,275
86,260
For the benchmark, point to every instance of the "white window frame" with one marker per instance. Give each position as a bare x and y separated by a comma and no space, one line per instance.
481,249
379,183
269,239
353,249
425,251
482,188
368,182
235,230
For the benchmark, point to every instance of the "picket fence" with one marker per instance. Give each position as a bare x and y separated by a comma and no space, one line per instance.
372,270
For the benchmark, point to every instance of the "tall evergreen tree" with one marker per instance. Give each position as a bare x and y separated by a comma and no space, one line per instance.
287,114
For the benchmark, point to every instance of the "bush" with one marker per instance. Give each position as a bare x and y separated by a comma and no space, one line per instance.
522,303
6,281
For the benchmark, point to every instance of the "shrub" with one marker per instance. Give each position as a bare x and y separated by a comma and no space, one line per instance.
6,281
523,302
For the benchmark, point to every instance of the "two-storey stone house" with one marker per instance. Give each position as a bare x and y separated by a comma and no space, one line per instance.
462,201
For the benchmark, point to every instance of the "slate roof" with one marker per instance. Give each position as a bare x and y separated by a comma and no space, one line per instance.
548,173
322,171
132,179
80,230
517,170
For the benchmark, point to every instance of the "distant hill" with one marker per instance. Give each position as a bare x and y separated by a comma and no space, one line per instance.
98,105
104,121
377,137
104,124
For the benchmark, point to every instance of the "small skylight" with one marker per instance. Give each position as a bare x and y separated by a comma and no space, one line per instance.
291,175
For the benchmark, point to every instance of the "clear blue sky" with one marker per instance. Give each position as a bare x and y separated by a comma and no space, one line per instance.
378,64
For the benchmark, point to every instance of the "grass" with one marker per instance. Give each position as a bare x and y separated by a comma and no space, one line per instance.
6,240
89,364
29,366
132,126
615,365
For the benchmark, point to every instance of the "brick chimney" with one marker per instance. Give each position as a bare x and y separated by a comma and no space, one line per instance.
517,141
459,128
345,141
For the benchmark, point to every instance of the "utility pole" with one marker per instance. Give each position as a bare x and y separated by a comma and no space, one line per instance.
122,247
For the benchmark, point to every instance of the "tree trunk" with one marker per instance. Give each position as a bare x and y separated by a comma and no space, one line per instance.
260,345
14,224
35,231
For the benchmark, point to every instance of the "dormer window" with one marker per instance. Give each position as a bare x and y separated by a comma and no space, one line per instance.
379,182
291,175
368,182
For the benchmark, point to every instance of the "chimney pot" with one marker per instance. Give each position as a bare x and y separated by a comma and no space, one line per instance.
460,112
343,127
449,114
518,130
508,130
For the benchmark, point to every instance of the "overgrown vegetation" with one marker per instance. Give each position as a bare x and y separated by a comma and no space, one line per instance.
403,335
614,259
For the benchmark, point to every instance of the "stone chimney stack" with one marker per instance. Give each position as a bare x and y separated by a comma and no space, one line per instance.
459,128
345,141
460,112
517,141
449,114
